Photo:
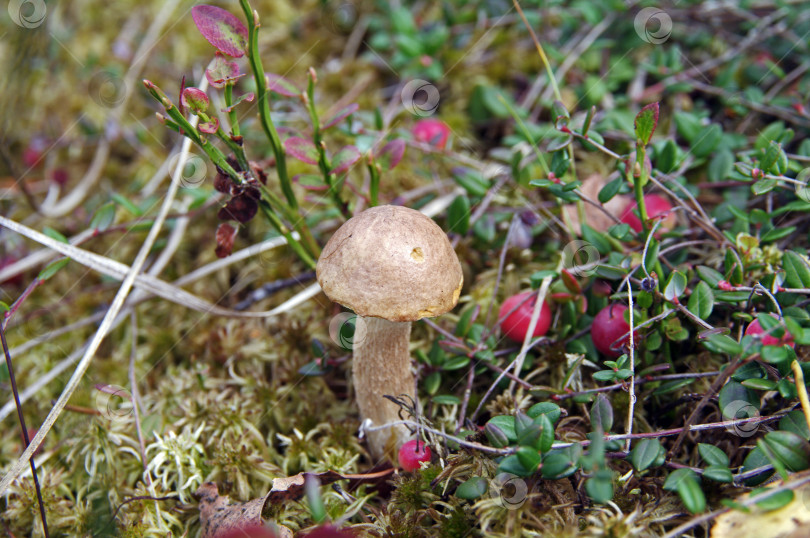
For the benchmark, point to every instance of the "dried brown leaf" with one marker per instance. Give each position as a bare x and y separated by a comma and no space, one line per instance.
595,217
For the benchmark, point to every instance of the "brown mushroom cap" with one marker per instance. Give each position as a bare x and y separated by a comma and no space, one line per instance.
391,262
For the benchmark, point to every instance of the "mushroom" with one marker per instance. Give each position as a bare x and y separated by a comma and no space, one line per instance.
391,265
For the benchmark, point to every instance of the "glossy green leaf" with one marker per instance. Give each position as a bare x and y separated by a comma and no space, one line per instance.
600,486
721,343
706,140
53,234
790,449
756,459
558,465
676,284
550,409
718,474
686,483
737,401
472,488
797,271
103,217
511,464
796,423
506,424
701,302
596,239
52,268
645,453
529,457
713,455
458,215
610,190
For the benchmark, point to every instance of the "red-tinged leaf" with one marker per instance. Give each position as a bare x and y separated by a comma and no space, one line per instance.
282,86
209,127
340,116
390,154
222,71
311,182
222,29
226,235
344,159
302,149
249,97
570,282
195,99
646,122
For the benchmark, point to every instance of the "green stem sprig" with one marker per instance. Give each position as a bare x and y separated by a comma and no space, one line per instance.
264,105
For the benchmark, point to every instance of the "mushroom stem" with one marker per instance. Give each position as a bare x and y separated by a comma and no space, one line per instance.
382,365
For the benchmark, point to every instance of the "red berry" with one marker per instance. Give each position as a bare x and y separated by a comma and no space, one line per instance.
656,205
34,151
412,453
516,325
754,329
608,326
430,131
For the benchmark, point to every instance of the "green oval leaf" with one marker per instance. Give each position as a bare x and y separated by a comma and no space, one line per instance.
790,449
472,488
701,302
344,159
645,453
675,286
685,482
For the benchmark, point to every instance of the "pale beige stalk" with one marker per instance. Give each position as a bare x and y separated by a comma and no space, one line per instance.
382,365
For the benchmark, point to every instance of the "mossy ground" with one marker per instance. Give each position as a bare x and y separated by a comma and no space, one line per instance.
225,400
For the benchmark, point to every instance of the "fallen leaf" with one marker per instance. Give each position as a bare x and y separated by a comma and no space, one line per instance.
790,521
595,217
219,516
